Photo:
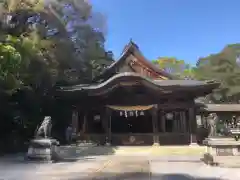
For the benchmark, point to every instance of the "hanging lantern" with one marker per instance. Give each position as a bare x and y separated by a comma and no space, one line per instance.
131,113
121,113
142,113
169,116
96,118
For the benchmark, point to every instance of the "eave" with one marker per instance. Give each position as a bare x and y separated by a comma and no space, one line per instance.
195,88
219,107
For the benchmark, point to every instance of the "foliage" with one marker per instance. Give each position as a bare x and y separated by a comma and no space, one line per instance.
222,67
44,44
66,29
176,67
85,36
10,65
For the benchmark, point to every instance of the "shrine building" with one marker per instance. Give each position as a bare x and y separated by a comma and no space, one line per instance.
133,102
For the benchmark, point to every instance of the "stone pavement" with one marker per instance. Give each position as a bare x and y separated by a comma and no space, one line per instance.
159,150
91,165
162,168
189,168
76,163
124,168
80,169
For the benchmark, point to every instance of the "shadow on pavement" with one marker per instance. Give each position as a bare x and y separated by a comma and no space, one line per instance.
76,152
69,154
179,177
143,176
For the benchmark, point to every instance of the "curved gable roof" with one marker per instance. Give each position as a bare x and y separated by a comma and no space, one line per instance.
132,48
158,83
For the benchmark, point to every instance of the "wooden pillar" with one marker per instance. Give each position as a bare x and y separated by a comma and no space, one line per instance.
82,131
163,122
155,125
177,121
184,121
175,128
192,126
108,127
181,122
159,125
75,121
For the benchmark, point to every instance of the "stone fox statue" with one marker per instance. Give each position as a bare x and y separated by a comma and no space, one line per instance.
45,128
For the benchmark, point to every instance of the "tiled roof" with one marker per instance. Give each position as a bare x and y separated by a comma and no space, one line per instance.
159,83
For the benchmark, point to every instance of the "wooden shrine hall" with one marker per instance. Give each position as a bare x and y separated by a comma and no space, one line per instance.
133,102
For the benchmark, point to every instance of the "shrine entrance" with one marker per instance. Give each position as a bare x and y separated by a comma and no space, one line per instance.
131,122
131,125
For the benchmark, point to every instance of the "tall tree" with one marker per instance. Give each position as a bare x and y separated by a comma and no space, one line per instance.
44,43
223,68
86,32
67,32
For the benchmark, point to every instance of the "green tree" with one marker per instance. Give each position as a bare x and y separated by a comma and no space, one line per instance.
86,32
11,64
176,67
41,48
222,67
68,35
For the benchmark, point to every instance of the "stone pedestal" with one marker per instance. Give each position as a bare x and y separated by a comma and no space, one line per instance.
107,144
43,149
220,150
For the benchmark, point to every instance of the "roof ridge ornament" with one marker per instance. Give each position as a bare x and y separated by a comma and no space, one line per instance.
132,43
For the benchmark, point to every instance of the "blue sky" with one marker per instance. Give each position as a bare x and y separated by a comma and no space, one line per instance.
186,29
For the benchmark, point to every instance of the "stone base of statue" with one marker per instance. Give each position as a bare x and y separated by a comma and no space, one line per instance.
43,149
223,151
